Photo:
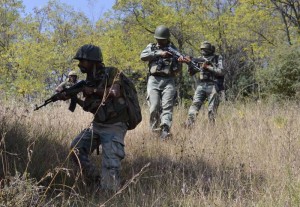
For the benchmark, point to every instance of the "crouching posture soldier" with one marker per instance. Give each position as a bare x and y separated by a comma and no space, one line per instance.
103,98
207,82
161,82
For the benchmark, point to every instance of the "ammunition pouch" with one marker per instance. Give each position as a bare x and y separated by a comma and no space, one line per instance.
162,66
204,76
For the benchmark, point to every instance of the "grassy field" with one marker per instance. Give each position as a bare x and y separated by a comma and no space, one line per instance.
249,158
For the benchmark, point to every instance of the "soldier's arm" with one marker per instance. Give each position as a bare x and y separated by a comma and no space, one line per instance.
60,87
148,54
217,69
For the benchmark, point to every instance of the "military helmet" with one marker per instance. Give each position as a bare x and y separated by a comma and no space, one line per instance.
207,48
89,52
72,73
162,32
206,45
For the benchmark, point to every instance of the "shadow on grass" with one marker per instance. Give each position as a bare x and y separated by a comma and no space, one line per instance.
172,180
34,153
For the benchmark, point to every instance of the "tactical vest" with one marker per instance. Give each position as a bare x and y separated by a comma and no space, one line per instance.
205,75
110,111
162,66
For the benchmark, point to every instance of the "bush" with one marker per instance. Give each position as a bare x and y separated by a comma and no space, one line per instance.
281,78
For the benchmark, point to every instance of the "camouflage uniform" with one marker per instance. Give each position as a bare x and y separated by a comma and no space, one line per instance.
67,83
207,88
107,129
161,85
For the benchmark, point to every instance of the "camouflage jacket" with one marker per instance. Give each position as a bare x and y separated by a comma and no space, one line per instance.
159,66
106,110
66,84
214,70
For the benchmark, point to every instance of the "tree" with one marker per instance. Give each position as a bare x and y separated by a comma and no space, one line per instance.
9,21
44,47
290,14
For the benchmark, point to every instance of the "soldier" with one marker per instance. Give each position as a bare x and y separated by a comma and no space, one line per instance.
105,100
206,81
161,82
71,80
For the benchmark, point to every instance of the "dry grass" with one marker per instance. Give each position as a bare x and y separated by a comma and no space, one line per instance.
249,158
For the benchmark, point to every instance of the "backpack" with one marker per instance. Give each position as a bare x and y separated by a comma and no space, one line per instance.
132,101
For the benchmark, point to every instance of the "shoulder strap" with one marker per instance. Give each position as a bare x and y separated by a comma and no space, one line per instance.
216,58
106,73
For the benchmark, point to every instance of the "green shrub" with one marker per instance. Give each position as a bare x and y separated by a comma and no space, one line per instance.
282,76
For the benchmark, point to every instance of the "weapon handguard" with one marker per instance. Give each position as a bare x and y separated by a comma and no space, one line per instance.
69,92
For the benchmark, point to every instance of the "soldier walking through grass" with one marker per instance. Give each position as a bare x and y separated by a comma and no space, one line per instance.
206,81
161,82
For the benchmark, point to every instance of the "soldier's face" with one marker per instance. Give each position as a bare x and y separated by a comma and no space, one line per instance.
85,66
205,51
73,78
163,42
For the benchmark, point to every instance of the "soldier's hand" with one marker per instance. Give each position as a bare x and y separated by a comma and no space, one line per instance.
62,96
114,91
205,65
185,59
192,71
165,54
87,91
59,89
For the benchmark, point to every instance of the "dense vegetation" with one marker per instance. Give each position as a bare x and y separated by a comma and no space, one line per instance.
258,39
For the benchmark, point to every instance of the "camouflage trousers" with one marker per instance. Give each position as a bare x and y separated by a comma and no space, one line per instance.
111,137
204,91
160,96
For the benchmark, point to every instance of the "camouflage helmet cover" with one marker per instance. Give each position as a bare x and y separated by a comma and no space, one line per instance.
89,52
162,32
206,45
72,73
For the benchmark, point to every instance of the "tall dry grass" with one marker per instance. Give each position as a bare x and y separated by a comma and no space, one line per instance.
249,158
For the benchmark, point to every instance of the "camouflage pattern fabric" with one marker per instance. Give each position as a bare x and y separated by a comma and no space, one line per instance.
113,109
66,84
204,91
161,91
108,129
207,89
161,85
111,137
159,66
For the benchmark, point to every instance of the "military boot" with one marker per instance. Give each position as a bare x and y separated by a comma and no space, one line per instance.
165,132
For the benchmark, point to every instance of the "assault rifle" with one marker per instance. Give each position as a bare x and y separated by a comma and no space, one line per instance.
69,92
193,63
